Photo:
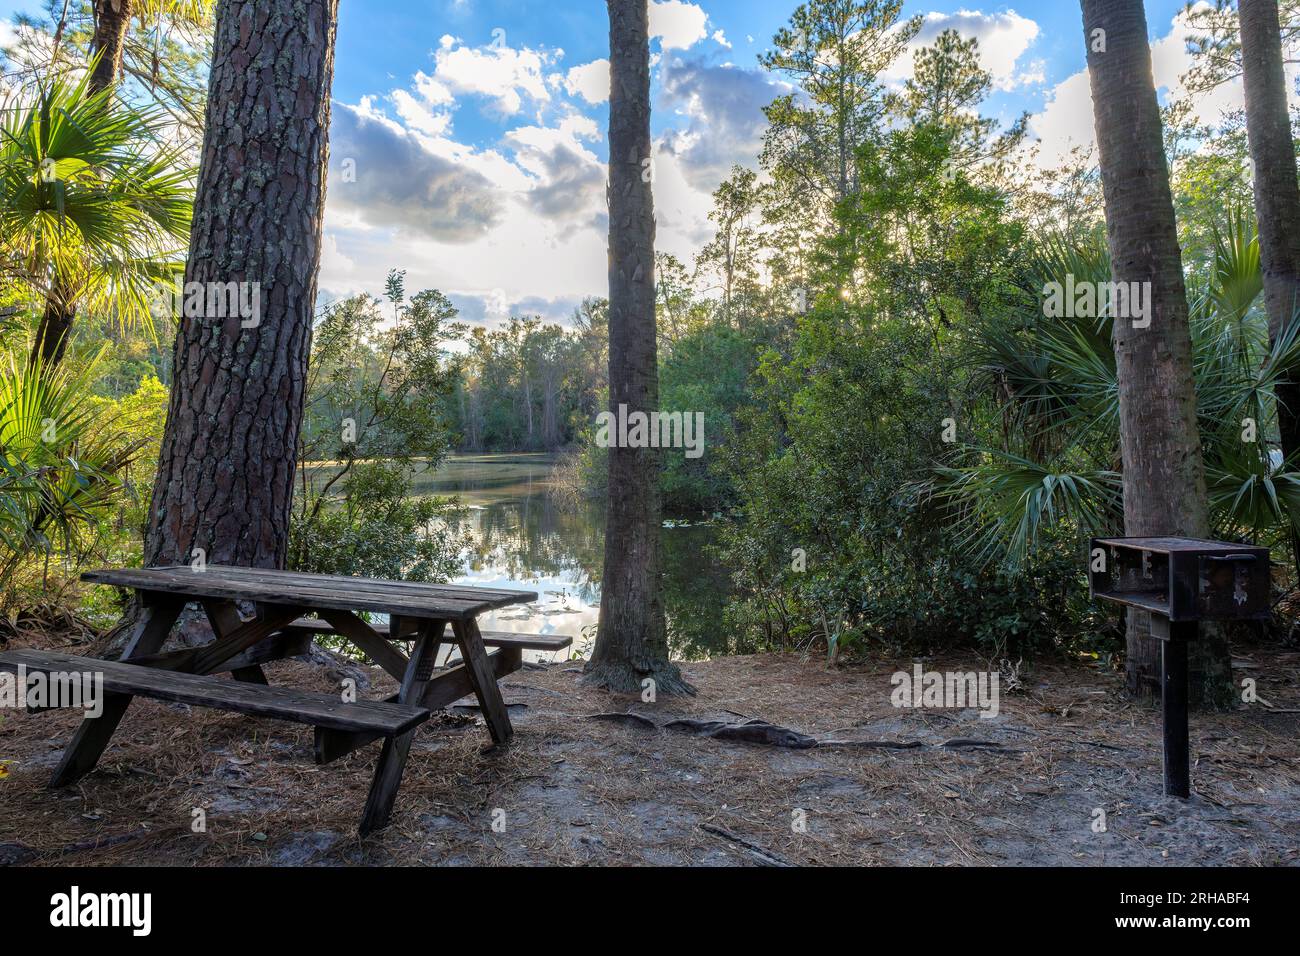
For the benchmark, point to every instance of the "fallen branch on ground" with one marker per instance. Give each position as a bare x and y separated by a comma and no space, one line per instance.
766,857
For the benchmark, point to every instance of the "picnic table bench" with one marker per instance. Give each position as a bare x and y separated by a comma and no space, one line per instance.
425,615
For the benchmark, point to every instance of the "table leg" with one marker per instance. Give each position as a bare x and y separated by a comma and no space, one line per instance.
380,649
88,744
208,658
223,617
392,759
484,680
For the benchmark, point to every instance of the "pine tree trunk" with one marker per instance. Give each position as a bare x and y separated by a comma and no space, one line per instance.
225,475
1277,192
1164,476
631,641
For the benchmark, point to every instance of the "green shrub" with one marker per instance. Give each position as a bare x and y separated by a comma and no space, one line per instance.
378,530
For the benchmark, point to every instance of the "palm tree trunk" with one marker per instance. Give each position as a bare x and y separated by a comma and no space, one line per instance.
1160,445
55,325
1277,193
631,641
112,23
226,469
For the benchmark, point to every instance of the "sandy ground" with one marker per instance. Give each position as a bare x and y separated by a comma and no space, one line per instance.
571,789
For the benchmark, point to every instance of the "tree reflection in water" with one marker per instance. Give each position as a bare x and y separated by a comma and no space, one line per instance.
525,539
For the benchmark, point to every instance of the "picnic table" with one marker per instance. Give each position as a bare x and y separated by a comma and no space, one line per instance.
287,609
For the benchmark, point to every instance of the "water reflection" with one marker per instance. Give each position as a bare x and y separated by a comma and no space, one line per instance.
524,539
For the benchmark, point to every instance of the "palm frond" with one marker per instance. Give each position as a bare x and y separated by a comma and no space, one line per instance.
1006,503
59,456
87,202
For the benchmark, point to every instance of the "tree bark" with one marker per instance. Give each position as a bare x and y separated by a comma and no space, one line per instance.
226,470
1160,445
631,640
1277,193
55,326
112,23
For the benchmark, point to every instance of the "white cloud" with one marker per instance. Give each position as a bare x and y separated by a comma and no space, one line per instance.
681,206
506,230
1003,39
724,110
381,173
567,185
1066,119
418,116
502,73
590,81
720,39
678,25
432,91
515,221
341,271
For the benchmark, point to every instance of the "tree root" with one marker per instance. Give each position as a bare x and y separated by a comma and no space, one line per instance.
633,720
871,744
626,678
967,743
760,732
750,732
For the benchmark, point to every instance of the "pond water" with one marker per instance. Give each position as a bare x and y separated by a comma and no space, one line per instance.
524,539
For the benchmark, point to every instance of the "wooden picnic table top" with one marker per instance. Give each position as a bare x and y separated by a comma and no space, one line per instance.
311,591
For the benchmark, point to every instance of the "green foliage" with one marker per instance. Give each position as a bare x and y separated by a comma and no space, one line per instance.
61,457
90,209
837,539
521,387
379,530
835,51
1056,470
138,419
165,56
376,412
377,390
945,91
707,372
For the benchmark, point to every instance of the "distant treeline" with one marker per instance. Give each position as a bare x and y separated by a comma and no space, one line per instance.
530,386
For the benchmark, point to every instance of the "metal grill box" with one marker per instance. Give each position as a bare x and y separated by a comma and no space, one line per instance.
1182,579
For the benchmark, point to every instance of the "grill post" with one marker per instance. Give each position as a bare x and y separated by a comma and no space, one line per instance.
1173,702
1173,637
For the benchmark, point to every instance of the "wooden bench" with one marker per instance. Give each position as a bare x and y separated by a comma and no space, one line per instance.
328,711
310,626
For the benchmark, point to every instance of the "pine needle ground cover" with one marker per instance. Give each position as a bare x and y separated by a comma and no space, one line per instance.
1068,773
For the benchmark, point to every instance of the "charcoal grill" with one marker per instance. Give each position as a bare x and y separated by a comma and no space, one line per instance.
1180,582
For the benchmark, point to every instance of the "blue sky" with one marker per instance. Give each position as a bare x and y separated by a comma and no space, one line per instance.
381,41
467,142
